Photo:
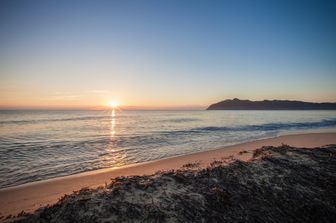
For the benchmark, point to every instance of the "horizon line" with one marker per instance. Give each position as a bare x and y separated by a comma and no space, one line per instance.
139,107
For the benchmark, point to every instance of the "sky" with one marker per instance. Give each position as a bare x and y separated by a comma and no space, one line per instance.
157,54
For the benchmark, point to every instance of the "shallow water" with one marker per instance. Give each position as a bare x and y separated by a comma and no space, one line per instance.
36,145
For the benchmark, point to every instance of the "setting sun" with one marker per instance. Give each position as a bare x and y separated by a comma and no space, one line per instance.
104,104
113,104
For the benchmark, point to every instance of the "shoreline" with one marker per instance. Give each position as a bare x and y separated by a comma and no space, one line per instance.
93,172
29,197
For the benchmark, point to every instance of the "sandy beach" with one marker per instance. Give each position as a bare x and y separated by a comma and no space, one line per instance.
30,197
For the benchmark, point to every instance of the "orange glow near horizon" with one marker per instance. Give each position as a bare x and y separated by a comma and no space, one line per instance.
108,100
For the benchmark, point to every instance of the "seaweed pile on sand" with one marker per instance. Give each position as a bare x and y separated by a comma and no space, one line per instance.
280,184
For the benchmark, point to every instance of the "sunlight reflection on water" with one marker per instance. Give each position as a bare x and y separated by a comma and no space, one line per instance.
113,123
36,145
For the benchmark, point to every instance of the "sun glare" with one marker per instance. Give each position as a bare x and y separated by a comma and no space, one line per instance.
113,104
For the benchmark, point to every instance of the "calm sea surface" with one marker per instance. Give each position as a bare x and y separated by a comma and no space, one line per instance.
37,145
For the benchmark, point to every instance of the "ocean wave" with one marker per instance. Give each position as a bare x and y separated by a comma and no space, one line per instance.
273,126
180,120
31,121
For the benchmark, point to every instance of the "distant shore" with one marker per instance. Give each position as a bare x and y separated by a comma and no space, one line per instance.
32,196
237,104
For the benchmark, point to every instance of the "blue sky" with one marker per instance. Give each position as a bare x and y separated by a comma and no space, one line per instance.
165,53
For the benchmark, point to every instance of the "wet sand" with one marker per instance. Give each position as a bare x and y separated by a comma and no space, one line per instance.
30,197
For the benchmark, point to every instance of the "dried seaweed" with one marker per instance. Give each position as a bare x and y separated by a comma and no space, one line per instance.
280,184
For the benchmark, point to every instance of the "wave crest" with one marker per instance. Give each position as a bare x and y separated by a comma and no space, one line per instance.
273,126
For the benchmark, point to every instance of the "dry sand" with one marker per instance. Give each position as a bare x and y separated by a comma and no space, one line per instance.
30,197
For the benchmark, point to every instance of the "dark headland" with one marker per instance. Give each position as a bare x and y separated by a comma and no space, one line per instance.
237,104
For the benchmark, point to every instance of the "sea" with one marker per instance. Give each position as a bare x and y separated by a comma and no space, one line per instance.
43,144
